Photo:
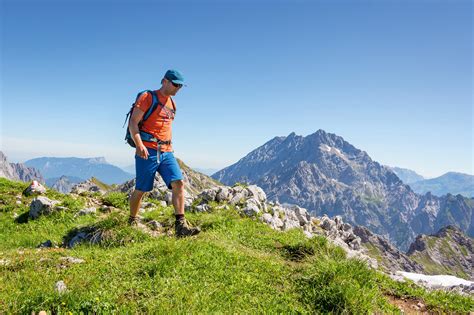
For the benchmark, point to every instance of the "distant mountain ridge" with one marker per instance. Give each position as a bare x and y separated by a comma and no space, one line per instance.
452,182
327,175
18,171
406,175
83,168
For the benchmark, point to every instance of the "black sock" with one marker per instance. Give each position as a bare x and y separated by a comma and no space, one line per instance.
179,217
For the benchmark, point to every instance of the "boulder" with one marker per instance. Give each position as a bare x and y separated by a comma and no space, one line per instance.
35,188
41,206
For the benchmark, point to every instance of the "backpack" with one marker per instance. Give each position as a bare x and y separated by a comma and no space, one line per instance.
145,136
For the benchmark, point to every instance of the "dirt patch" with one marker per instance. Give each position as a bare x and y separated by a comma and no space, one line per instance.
409,305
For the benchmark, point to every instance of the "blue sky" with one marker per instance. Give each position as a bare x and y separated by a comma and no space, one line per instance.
394,78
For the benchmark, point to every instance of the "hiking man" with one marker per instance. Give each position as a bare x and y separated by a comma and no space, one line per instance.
155,154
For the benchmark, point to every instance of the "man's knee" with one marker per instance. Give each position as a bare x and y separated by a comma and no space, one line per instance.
177,185
138,193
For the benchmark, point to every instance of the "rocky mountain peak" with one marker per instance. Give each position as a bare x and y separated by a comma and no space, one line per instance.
18,171
327,175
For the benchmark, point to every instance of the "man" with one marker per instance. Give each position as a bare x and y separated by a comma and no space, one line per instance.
157,155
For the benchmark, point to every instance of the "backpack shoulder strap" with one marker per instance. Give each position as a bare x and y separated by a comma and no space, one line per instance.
174,105
154,104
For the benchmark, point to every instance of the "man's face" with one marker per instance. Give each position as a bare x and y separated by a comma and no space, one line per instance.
172,88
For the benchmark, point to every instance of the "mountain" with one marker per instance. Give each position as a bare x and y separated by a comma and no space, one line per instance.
449,251
53,167
327,175
63,184
388,256
407,176
453,183
18,171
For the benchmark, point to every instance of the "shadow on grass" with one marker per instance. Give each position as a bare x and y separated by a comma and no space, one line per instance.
22,218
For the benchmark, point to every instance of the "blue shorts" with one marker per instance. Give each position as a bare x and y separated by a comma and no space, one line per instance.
167,166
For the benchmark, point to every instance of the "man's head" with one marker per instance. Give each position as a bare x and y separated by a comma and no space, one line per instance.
172,82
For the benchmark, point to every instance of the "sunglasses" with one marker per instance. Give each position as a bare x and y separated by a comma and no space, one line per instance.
175,84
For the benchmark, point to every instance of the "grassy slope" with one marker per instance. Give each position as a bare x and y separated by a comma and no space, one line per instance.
237,265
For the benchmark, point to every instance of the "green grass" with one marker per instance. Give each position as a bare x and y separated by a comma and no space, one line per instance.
116,199
236,265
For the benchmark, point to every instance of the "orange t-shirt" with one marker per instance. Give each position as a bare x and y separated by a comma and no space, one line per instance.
159,122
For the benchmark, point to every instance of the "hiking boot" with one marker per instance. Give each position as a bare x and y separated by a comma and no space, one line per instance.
183,229
133,221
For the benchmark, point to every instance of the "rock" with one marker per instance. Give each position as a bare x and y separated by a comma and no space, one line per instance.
257,193
187,202
238,197
223,194
267,218
147,205
163,203
154,225
86,211
251,209
87,186
203,208
390,258
327,224
302,215
448,249
34,188
72,260
168,197
225,207
338,221
290,224
41,205
208,194
60,287
18,202
277,223
347,227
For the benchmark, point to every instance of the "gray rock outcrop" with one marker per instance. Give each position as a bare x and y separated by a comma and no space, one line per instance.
449,251
387,255
42,206
18,171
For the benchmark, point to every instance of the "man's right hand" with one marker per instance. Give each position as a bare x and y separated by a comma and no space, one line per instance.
142,152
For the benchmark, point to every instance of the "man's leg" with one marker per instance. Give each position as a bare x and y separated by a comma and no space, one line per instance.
172,176
178,196
145,176
135,201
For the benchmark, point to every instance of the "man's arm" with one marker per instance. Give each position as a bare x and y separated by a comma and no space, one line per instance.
137,116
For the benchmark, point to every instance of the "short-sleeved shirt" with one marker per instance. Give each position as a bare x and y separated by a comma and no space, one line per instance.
159,122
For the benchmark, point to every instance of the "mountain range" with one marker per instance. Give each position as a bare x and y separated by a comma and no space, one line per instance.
450,183
82,168
406,175
327,175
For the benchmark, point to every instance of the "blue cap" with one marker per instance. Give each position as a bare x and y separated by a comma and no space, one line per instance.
174,76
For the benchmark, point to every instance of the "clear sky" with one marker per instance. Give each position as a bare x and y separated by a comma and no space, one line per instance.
394,78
